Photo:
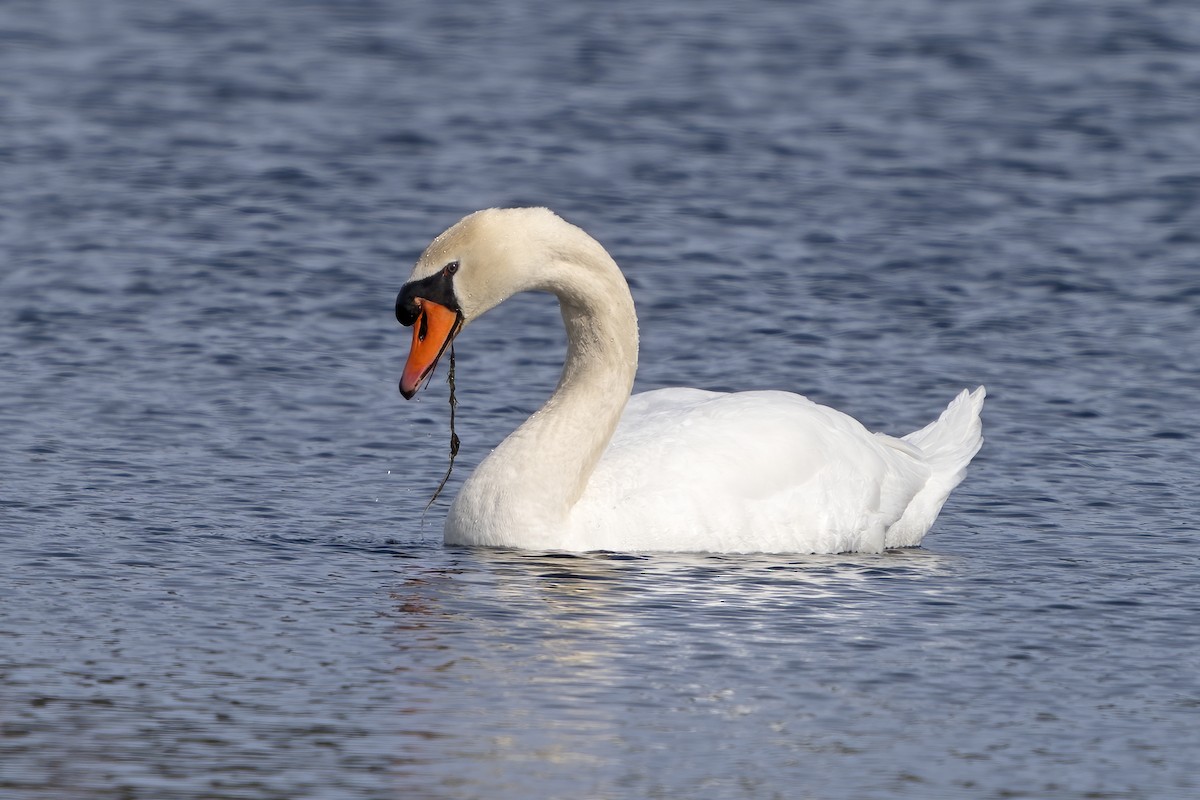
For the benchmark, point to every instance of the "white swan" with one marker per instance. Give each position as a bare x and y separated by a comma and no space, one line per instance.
672,469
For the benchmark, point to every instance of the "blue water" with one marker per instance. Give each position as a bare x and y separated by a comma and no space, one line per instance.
216,581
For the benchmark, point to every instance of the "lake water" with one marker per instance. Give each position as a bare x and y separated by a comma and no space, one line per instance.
216,581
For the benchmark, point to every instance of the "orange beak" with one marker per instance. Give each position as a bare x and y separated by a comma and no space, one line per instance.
435,327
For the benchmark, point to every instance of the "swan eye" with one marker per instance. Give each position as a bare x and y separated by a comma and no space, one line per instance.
451,268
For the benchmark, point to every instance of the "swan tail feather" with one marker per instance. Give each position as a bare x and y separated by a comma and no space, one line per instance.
948,445
952,440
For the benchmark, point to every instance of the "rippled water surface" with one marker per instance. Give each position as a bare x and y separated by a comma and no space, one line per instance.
215,579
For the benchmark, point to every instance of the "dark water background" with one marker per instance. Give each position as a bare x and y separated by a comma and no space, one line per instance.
215,582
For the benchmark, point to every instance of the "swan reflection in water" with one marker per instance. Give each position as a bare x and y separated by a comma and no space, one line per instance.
557,658
586,608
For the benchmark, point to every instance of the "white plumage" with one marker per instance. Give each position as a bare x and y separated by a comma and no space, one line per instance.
672,469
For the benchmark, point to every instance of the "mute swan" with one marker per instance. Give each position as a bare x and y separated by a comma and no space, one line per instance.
666,470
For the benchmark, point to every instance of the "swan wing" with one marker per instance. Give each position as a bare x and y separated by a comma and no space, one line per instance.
689,469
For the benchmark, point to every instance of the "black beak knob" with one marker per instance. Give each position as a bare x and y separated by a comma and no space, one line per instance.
406,306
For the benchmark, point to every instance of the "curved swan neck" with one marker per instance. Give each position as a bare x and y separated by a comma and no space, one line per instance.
571,431
556,450
602,336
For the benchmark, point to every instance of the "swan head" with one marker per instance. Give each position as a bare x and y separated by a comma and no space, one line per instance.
473,266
